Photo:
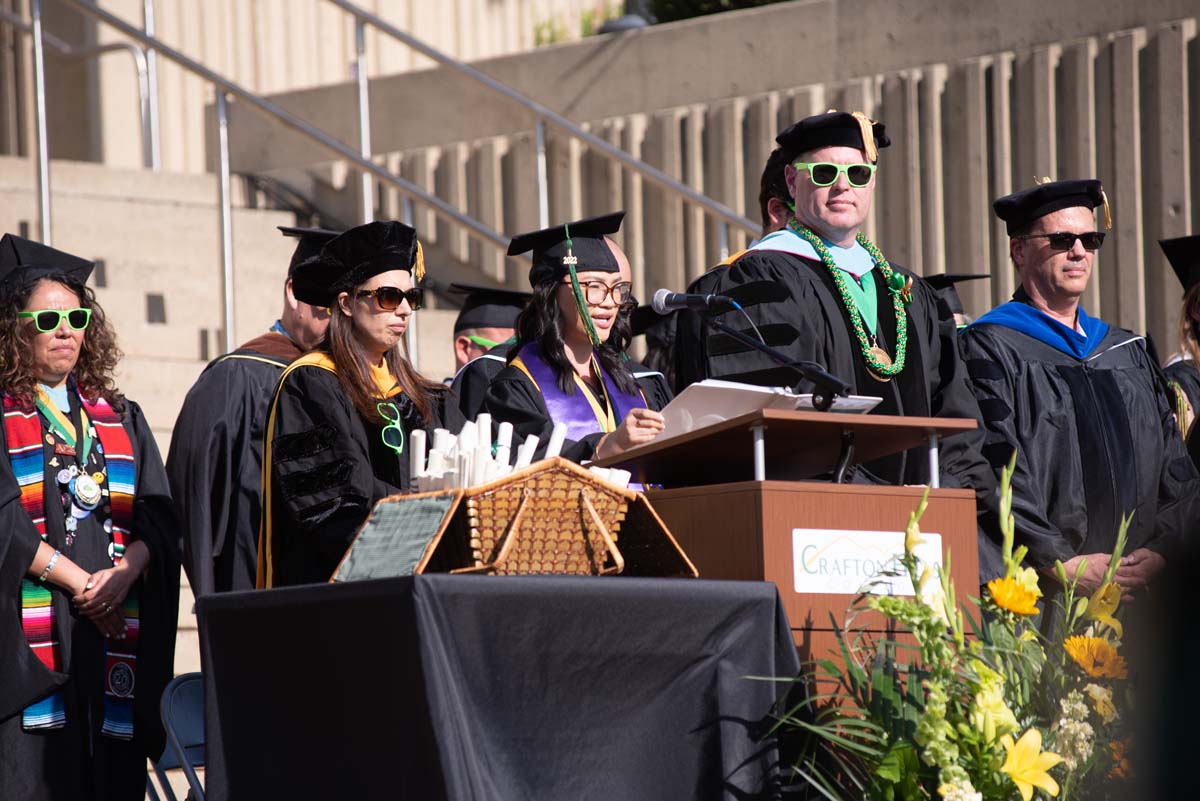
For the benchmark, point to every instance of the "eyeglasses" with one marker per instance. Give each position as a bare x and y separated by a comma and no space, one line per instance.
1065,240
596,292
48,320
482,342
824,173
392,434
389,298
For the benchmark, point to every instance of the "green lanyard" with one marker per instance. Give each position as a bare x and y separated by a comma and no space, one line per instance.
865,299
61,425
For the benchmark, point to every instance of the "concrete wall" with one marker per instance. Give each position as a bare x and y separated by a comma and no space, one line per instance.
265,45
978,98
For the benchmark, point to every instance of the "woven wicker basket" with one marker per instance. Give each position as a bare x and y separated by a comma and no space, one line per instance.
553,517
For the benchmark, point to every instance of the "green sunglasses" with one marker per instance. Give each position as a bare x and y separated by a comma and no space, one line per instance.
48,320
824,173
392,434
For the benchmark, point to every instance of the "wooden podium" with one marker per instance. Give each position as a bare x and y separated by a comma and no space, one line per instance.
778,530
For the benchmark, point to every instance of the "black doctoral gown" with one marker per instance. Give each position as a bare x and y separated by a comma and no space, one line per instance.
215,463
329,467
512,397
77,761
1095,439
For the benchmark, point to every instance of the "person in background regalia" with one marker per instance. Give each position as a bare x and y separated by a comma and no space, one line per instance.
215,461
498,309
944,284
1184,255
1083,403
340,421
569,363
89,568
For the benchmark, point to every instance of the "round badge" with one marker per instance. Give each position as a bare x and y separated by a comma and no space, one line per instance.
49,439
120,679
74,469
72,523
98,477
111,550
64,476
78,512
108,526
87,491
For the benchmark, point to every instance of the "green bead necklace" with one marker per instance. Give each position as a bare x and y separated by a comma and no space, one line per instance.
879,364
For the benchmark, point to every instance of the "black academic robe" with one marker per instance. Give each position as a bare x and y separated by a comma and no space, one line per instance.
1095,439
1184,375
513,398
329,467
472,382
215,463
77,762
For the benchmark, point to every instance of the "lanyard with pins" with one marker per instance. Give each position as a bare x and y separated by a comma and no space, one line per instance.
61,425
569,261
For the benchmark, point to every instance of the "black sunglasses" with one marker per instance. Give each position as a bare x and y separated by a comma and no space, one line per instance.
389,298
1065,240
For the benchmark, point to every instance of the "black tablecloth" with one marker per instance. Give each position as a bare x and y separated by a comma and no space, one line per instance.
469,687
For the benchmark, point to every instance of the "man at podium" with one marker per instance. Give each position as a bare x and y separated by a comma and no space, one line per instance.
840,302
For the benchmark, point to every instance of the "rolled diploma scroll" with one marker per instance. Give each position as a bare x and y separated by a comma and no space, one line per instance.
557,437
441,440
416,454
483,425
504,436
525,452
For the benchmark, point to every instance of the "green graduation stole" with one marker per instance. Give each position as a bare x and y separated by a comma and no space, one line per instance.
24,435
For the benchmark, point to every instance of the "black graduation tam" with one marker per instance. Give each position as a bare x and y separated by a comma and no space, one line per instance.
943,284
352,258
311,240
835,129
23,260
488,307
1020,209
549,246
1184,254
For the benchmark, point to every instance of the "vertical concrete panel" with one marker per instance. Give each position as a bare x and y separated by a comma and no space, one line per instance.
664,234
1035,117
898,182
633,140
1166,170
968,207
1004,278
1077,132
693,133
860,95
761,126
933,227
452,187
420,167
601,175
487,204
803,102
1123,292
725,176
563,168
519,166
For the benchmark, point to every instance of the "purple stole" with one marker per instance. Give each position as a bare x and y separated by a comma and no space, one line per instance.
575,410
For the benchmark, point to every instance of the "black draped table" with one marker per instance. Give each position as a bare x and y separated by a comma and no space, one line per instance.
479,687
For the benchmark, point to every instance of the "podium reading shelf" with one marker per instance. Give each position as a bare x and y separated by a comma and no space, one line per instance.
818,541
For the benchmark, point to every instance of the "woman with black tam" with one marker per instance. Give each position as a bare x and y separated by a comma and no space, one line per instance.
342,415
568,365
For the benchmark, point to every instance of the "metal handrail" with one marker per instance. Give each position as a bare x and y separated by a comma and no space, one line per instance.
544,114
227,87
140,64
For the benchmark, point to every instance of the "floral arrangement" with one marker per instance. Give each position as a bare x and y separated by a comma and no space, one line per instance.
994,706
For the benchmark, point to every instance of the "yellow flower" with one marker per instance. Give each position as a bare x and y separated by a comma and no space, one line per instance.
1102,605
1027,764
1121,768
989,715
1008,594
1102,702
1097,656
1027,577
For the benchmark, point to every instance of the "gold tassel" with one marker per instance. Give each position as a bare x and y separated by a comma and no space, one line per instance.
1107,211
865,124
419,267
1045,179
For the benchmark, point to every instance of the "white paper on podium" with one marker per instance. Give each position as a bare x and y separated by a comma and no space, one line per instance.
713,401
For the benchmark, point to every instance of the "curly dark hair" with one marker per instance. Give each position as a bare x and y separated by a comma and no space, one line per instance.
98,354
538,322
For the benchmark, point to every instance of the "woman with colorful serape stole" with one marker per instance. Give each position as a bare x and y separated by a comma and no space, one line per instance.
569,364
339,425
89,569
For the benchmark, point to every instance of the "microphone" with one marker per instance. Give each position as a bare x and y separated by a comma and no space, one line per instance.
665,302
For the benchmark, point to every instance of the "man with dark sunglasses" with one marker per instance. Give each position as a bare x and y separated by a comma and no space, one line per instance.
215,461
1084,404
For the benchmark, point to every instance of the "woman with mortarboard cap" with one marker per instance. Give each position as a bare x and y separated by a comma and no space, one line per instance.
1184,255
569,364
89,571
340,422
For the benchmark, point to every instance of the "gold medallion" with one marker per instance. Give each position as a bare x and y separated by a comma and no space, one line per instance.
882,357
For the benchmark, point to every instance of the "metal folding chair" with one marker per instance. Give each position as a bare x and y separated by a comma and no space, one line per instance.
182,711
